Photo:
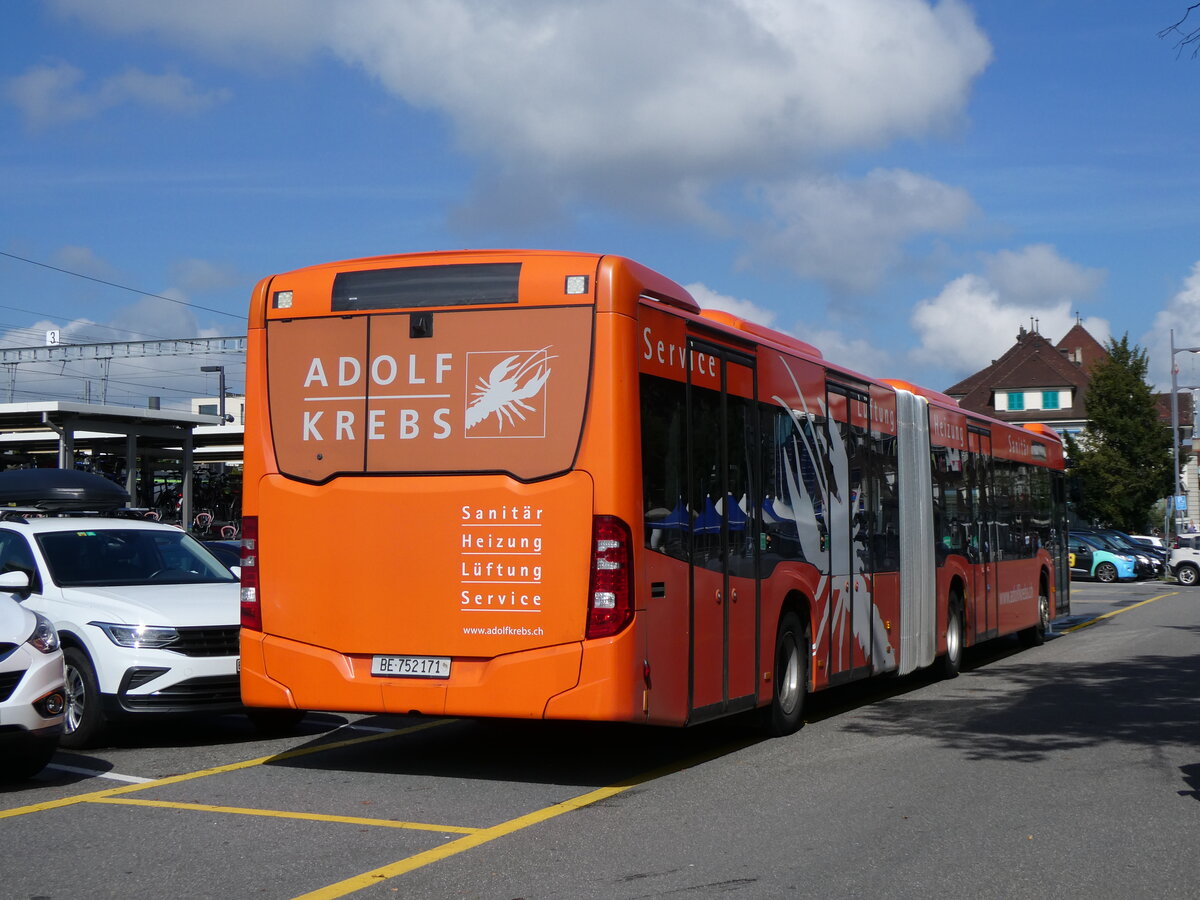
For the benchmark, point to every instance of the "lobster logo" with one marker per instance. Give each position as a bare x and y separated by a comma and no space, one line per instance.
502,393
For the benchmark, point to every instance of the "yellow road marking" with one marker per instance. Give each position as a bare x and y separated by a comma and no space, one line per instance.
1115,612
216,770
281,814
484,835
473,837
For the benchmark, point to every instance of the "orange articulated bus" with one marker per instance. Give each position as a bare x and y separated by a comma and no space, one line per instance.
548,485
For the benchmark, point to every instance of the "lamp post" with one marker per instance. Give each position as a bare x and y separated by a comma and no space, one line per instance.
220,370
1175,388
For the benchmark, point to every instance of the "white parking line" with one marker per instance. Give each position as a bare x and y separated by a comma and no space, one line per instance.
96,773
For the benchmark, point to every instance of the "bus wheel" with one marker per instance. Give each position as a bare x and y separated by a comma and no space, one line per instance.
785,715
1106,572
1035,635
951,662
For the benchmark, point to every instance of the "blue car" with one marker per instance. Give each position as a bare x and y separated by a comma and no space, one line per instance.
1090,558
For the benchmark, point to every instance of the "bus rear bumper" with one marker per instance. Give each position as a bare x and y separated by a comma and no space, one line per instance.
280,672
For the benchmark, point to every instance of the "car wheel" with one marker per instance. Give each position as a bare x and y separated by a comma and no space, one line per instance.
84,722
275,722
1106,572
1035,635
31,760
789,681
951,662
1187,574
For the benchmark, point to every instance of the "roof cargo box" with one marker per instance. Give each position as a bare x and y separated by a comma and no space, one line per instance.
60,489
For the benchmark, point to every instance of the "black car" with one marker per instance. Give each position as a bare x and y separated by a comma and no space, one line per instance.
1120,538
1149,563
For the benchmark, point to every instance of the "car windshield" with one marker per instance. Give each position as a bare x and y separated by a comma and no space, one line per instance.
1104,543
118,556
1094,541
1122,539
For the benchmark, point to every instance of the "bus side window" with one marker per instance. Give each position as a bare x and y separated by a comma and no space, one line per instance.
793,509
668,518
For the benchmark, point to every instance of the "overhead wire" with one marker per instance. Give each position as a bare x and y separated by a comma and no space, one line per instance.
126,364
123,287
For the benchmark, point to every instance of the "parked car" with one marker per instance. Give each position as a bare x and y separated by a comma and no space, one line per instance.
1146,562
228,552
148,618
1126,543
32,688
1184,564
1185,540
1150,540
1091,558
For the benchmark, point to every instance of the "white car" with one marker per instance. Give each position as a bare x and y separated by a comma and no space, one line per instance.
32,692
1184,563
1149,540
148,618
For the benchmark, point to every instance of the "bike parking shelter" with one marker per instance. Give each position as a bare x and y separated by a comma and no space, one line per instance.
32,432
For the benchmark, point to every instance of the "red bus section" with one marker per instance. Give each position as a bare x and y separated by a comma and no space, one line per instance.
548,485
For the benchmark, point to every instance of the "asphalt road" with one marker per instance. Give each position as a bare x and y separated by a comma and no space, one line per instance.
1069,770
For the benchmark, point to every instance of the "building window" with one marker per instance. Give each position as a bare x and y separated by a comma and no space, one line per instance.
1050,400
1016,401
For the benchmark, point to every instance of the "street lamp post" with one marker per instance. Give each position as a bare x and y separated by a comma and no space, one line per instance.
1175,388
220,370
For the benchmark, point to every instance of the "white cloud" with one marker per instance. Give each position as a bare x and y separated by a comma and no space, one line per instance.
973,322
128,380
621,100
54,94
1182,315
201,275
848,234
84,261
743,309
705,113
1037,274
227,29
853,353
175,379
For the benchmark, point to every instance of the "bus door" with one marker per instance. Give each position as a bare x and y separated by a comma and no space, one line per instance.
722,493
847,508
986,592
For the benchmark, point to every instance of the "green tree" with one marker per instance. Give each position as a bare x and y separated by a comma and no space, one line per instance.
1124,459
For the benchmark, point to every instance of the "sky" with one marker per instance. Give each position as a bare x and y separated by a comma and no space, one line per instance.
903,183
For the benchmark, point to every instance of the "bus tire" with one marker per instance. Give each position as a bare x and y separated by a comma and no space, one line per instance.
951,662
1035,635
789,680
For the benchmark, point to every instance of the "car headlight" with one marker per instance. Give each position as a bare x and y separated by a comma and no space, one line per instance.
138,637
44,637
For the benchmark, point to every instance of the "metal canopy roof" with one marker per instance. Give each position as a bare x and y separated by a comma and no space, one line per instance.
46,426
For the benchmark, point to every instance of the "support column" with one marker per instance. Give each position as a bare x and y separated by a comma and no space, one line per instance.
185,509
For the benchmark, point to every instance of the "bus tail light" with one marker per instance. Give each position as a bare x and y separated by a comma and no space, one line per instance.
251,611
610,596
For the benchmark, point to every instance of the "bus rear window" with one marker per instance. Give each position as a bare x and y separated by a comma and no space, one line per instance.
485,390
422,286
